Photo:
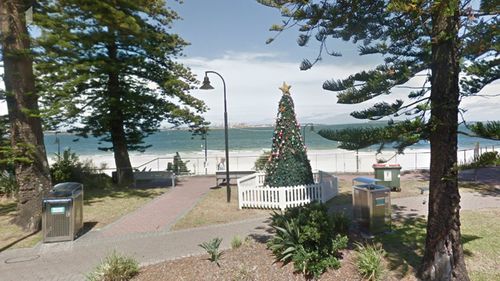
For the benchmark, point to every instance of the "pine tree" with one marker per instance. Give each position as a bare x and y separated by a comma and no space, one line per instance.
27,148
179,167
489,130
453,45
354,138
288,164
108,69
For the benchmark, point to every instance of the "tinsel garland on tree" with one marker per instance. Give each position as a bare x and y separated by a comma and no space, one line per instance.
288,164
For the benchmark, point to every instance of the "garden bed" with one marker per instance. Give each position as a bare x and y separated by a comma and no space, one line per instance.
253,261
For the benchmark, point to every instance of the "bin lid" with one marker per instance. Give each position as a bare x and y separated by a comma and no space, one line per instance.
366,180
386,166
65,189
372,186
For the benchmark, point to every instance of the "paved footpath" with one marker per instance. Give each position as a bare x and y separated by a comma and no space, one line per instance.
163,211
71,261
145,235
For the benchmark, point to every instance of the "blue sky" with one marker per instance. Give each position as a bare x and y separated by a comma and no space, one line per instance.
228,36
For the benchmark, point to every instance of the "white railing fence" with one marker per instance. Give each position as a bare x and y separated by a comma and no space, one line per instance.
252,193
336,162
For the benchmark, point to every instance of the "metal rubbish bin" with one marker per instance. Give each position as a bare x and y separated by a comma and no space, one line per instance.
62,212
389,175
371,205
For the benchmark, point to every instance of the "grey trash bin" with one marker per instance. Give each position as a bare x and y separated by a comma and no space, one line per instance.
62,212
371,205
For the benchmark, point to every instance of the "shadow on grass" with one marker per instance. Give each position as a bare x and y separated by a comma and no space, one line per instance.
481,188
87,226
466,238
7,208
17,241
405,244
344,198
95,195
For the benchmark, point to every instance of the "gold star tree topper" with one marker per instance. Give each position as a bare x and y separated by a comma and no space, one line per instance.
285,88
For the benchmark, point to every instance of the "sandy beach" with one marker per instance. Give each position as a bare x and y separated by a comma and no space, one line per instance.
335,160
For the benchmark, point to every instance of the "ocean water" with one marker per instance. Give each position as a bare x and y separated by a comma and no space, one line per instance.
240,140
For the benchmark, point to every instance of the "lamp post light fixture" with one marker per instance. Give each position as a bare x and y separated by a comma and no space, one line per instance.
206,86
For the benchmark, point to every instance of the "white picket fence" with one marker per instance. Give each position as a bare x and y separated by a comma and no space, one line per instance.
252,193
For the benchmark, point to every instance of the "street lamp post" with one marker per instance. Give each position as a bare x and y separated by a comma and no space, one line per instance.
206,86
205,146
304,130
58,141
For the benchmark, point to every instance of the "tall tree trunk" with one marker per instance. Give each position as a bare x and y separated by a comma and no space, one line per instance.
32,169
117,131
443,258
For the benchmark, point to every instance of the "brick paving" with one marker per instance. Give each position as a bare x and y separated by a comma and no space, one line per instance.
163,211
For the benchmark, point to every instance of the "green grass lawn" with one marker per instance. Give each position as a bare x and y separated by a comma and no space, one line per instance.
101,207
214,209
409,188
404,246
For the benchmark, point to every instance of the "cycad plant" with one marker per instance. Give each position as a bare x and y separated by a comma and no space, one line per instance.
212,248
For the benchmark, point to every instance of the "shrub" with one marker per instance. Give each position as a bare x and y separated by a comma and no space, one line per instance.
260,163
68,167
236,242
8,184
244,273
115,267
490,158
307,237
212,248
341,223
369,261
179,166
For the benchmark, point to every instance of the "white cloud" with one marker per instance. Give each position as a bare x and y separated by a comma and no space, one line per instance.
485,106
252,82
3,108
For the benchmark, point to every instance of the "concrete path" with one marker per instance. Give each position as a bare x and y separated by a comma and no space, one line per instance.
71,261
418,205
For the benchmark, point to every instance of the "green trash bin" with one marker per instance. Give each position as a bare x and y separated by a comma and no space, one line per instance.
389,175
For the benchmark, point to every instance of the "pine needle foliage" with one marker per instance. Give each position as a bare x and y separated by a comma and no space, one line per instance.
288,164
400,32
440,52
113,63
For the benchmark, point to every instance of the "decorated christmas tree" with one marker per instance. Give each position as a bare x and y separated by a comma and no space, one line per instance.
288,164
